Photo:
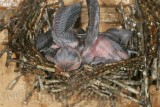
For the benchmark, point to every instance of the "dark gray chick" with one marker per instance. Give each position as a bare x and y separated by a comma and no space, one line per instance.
67,58
44,43
121,36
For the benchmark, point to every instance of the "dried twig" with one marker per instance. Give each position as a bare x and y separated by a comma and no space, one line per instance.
13,82
29,94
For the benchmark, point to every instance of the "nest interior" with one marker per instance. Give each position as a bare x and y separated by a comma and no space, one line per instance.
130,78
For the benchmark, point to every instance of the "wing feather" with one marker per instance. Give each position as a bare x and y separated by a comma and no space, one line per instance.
66,18
93,22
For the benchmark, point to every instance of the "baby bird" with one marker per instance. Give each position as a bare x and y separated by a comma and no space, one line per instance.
121,36
66,59
104,50
91,47
43,41
98,47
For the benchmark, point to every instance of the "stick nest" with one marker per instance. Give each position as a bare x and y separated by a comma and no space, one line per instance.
127,78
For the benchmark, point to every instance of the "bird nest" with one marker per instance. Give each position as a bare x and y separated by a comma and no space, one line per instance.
127,78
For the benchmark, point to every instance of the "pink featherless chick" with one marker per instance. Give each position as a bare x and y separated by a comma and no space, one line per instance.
98,47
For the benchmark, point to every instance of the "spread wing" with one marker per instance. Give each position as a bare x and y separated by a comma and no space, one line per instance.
66,17
93,22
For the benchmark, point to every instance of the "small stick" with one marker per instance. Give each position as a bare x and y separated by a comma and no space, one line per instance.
115,77
58,90
102,101
115,91
83,95
55,86
141,30
145,51
65,102
131,98
130,82
112,101
40,83
3,51
47,18
13,82
47,82
122,13
158,60
34,66
101,93
99,83
125,86
9,55
46,68
30,93
155,71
